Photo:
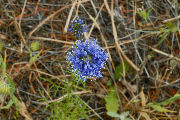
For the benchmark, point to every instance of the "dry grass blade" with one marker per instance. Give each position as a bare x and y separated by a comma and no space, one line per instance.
25,2
61,98
143,103
135,40
116,38
94,22
142,96
55,77
49,17
19,31
145,115
51,40
172,19
69,16
118,47
23,111
165,54
107,7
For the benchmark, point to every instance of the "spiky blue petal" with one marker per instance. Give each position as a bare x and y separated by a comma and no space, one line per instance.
77,27
87,58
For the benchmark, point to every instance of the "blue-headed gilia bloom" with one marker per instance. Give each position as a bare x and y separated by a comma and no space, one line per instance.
77,27
87,58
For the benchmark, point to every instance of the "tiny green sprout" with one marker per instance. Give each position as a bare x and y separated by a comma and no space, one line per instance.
173,63
171,27
1,45
35,45
145,15
4,88
149,56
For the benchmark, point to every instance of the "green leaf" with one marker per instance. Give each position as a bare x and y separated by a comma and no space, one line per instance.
122,116
34,58
163,37
109,82
3,65
158,108
112,102
12,86
10,103
149,11
143,15
119,70
171,27
166,102
16,102
163,29
113,114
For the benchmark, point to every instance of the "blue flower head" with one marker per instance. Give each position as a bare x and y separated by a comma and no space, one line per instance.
77,27
87,58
